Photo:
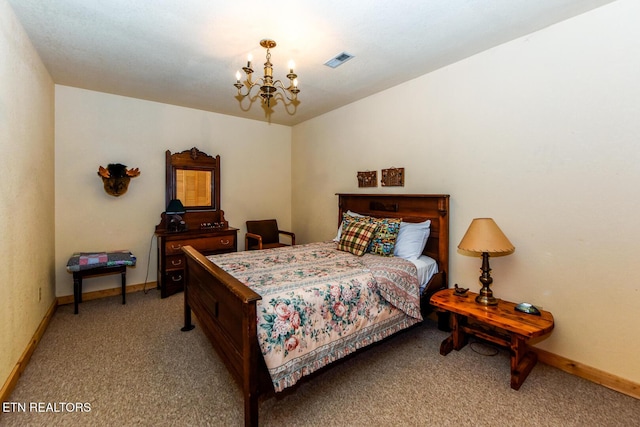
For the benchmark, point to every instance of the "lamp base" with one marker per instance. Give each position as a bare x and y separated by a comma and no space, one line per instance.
486,294
486,300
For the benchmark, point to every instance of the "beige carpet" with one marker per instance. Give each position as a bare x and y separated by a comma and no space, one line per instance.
130,365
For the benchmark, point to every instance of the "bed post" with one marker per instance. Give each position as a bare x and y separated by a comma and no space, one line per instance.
443,243
250,378
188,325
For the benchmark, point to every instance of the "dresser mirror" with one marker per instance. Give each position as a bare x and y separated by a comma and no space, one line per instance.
193,177
193,188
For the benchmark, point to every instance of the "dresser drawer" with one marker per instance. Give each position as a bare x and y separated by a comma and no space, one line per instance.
172,262
203,244
174,281
175,262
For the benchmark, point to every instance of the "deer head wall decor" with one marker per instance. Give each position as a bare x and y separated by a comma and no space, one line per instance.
116,178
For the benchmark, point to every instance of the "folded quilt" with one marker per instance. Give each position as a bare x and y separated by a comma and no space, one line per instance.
88,260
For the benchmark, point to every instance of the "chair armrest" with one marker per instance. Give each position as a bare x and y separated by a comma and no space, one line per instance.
290,234
248,236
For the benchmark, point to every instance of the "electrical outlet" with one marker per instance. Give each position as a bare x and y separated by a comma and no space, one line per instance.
39,294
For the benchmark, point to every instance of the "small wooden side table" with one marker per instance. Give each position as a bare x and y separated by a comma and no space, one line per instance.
500,324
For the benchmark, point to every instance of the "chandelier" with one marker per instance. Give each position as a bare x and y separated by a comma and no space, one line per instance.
268,88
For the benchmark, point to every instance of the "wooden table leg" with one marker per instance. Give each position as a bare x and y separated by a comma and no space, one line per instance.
77,291
124,284
522,361
446,346
458,338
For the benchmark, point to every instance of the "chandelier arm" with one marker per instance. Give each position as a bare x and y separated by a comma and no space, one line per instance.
290,107
251,100
249,85
286,90
291,85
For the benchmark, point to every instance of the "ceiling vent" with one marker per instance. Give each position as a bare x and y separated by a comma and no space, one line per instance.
338,60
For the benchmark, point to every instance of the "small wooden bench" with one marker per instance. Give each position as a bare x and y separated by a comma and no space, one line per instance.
89,264
500,324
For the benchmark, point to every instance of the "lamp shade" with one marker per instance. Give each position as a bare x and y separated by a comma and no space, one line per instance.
175,208
484,235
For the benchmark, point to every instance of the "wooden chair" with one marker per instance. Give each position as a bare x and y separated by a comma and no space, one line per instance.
265,234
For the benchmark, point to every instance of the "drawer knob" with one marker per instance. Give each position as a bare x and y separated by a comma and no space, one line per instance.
176,246
225,242
176,279
176,263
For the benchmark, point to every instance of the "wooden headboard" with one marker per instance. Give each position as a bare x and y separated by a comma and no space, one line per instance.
411,208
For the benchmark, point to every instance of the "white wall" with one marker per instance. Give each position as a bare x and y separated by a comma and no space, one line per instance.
94,129
542,135
26,193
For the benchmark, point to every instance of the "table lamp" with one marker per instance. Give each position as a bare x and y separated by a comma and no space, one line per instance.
485,237
175,209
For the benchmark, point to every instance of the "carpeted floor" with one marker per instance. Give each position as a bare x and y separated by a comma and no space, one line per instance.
130,365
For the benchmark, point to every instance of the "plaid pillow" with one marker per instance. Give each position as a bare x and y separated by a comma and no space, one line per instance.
384,239
356,236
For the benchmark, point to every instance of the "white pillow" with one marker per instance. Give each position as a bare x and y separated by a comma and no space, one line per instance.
350,213
412,239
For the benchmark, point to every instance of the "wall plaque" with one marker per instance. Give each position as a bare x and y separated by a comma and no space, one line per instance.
393,177
368,179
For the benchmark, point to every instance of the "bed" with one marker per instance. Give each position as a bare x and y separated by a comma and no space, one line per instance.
233,315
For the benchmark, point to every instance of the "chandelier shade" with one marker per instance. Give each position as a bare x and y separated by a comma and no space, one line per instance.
269,90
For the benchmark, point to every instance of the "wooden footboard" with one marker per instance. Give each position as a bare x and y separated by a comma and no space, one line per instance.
226,311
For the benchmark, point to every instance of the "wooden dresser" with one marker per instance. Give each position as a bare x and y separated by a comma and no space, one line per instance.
171,260
193,217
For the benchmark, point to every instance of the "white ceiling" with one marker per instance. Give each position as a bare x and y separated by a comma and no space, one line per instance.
186,52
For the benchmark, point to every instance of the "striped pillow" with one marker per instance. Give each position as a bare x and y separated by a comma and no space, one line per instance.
356,236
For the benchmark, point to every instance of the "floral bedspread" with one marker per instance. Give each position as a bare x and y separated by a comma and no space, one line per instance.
320,304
